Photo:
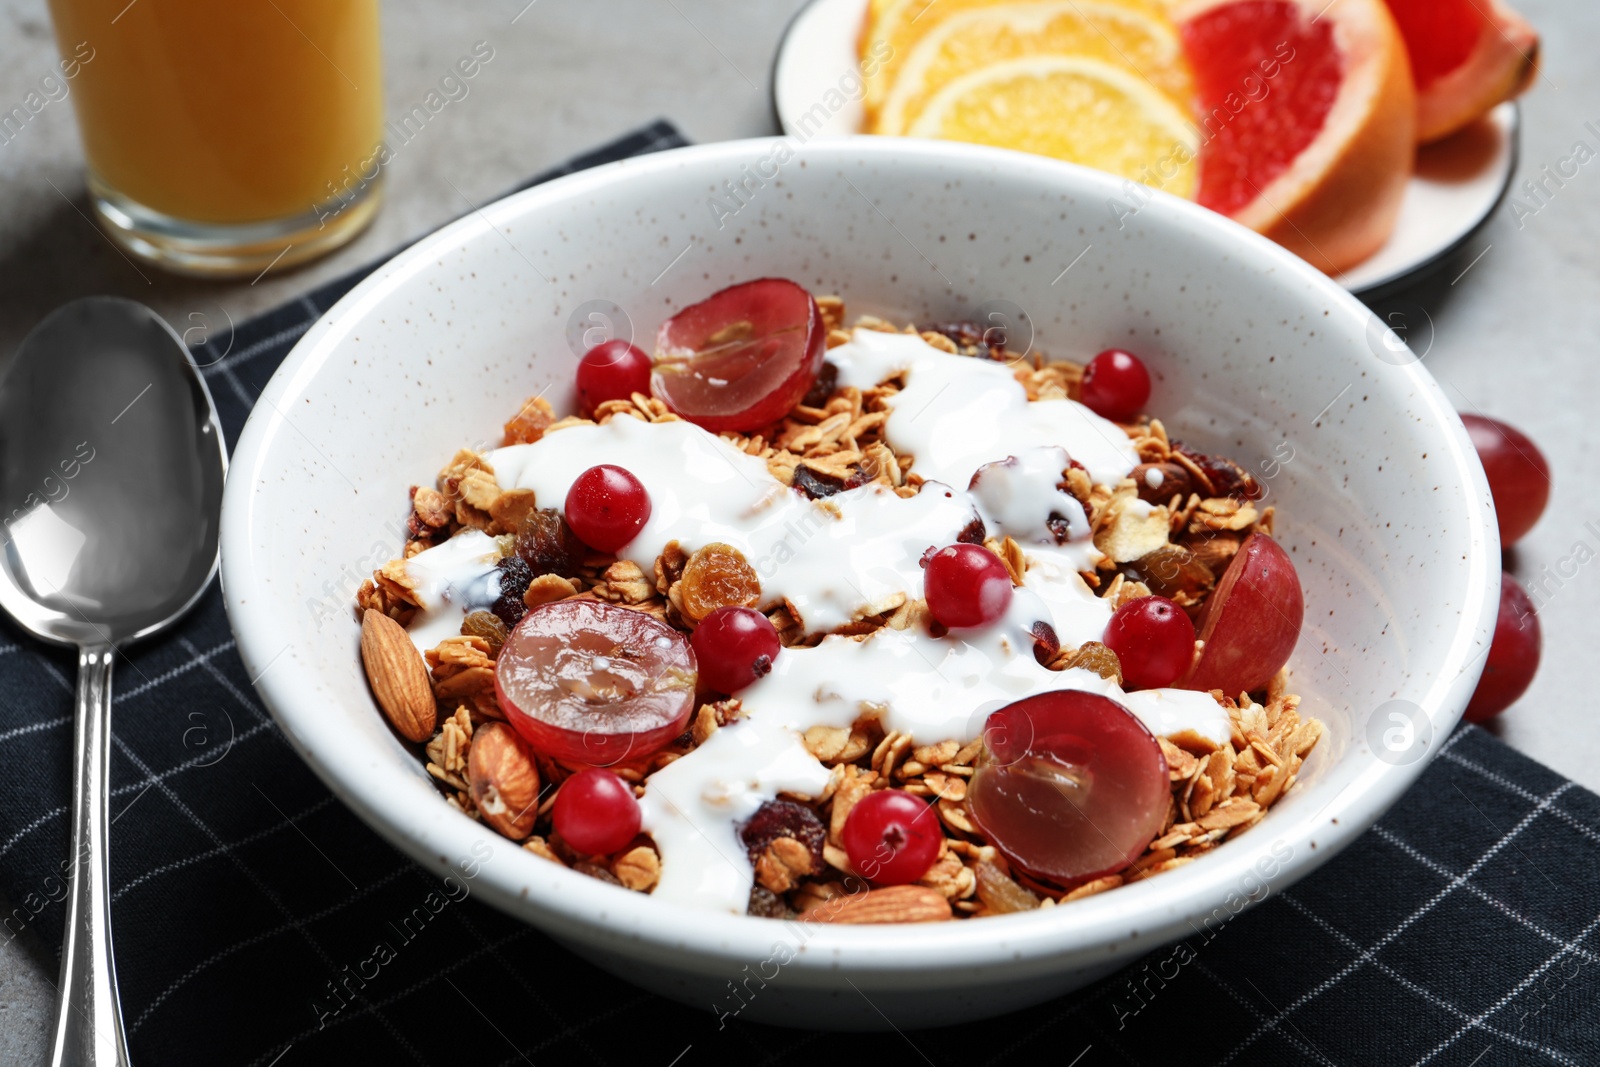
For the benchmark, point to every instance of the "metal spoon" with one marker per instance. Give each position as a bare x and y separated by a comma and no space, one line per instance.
111,470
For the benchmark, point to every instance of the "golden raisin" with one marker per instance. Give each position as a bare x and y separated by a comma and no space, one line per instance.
529,424
1093,656
547,545
999,893
717,576
487,625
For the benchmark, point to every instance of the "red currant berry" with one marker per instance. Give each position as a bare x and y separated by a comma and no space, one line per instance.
612,370
1116,385
607,507
596,812
1519,475
1153,639
966,585
735,648
891,837
1513,654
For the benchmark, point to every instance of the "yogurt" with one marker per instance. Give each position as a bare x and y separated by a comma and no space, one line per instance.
837,559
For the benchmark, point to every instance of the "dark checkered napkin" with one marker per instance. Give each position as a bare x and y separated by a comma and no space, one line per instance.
259,922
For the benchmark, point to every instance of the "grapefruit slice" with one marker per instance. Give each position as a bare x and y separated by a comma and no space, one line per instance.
1073,108
1141,43
1307,120
1466,57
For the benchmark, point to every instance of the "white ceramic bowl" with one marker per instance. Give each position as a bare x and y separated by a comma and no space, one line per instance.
1381,502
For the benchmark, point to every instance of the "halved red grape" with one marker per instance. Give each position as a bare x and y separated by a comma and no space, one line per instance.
1251,622
1519,475
595,683
740,359
1513,654
1075,788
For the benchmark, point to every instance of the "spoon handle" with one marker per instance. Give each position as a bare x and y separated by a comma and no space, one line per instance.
88,1029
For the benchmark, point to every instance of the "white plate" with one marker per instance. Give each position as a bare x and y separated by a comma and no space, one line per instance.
1457,185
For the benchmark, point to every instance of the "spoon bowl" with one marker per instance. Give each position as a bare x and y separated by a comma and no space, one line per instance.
111,471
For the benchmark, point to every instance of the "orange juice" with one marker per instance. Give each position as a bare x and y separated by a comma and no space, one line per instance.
226,111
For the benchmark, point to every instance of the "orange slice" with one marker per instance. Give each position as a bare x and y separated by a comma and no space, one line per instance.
894,27
1069,107
1307,120
1466,57
1142,43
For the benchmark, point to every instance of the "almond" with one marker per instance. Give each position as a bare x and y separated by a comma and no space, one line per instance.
892,904
504,780
1158,483
398,676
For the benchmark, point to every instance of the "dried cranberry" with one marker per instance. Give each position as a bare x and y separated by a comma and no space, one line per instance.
821,389
1227,478
515,574
547,544
784,818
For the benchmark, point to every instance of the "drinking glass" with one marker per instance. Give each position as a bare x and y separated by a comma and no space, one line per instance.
226,137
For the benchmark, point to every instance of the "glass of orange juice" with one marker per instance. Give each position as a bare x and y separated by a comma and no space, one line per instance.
226,137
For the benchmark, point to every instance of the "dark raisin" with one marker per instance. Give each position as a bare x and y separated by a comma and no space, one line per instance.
973,338
1045,642
784,818
547,544
594,870
1060,528
1227,478
515,574
972,533
816,484
766,904
821,389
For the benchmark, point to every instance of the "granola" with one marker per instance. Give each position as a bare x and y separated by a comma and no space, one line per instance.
1169,528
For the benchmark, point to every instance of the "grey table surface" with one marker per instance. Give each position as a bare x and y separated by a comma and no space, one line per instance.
1515,318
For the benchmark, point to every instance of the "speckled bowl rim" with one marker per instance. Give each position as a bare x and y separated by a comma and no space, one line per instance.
1133,918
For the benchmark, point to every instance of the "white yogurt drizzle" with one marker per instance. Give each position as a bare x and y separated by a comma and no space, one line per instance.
838,559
